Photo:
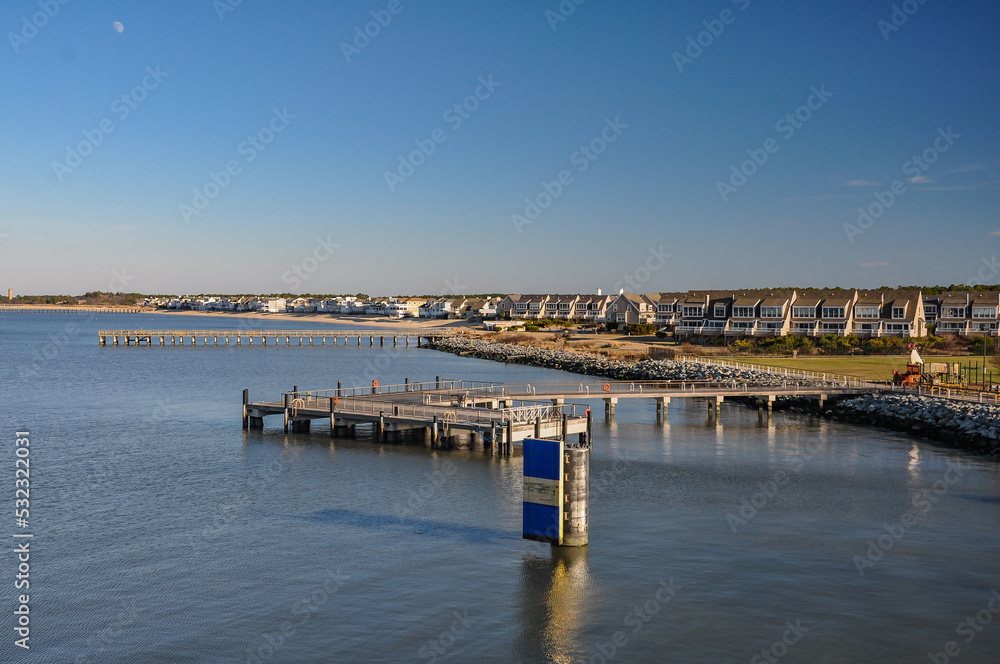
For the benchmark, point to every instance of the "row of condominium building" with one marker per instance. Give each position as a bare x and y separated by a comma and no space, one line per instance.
697,313
761,313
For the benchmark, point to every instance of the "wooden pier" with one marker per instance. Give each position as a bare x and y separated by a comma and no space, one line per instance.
450,414
27,309
467,414
237,337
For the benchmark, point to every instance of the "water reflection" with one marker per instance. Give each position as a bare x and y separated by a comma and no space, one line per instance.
553,604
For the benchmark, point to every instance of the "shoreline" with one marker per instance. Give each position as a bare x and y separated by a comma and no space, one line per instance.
319,318
967,426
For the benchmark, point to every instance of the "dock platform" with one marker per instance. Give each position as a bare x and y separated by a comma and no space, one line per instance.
463,414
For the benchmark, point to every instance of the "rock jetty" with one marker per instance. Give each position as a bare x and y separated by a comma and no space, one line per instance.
596,365
970,426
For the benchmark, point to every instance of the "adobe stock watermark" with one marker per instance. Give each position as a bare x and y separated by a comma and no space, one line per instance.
102,639
751,506
786,126
248,149
56,342
417,498
581,158
271,642
914,168
223,7
635,620
969,628
443,642
122,107
563,11
923,502
793,634
30,27
363,36
714,28
455,115
301,271
640,275
901,13
987,272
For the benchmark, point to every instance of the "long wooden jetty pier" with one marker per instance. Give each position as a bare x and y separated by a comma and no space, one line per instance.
466,414
56,309
304,337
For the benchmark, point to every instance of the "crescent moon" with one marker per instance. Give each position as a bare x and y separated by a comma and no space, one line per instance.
118,26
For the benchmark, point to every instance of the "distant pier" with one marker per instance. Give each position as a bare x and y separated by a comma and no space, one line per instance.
16,309
276,337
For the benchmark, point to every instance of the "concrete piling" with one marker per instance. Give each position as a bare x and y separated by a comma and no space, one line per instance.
576,496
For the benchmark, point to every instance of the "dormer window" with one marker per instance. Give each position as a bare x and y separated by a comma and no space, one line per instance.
720,311
898,313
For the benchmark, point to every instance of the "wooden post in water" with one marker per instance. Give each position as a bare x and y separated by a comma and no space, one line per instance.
538,427
246,400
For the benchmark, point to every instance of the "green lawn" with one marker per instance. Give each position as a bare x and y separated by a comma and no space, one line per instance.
870,367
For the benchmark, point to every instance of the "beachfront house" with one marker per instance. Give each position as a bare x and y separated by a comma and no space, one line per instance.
967,313
592,308
815,313
403,307
703,313
889,313
984,308
276,305
668,311
560,307
632,308
523,307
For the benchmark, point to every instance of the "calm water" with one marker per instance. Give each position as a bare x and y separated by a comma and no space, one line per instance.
165,533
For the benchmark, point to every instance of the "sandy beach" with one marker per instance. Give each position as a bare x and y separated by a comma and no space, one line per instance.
367,322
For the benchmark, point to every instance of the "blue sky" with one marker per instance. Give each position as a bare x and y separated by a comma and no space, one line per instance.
315,200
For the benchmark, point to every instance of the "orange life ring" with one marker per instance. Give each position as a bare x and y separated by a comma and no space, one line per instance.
335,401
588,413
375,383
607,387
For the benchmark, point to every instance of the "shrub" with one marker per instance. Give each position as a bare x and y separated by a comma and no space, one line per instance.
528,327
640,329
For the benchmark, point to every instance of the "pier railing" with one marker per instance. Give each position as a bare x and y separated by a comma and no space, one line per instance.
467,393
843,379
332,332
445,413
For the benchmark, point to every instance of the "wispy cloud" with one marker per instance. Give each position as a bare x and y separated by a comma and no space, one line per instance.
969,168
920,179
995,234
963,187
824,197
862,183
874,265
